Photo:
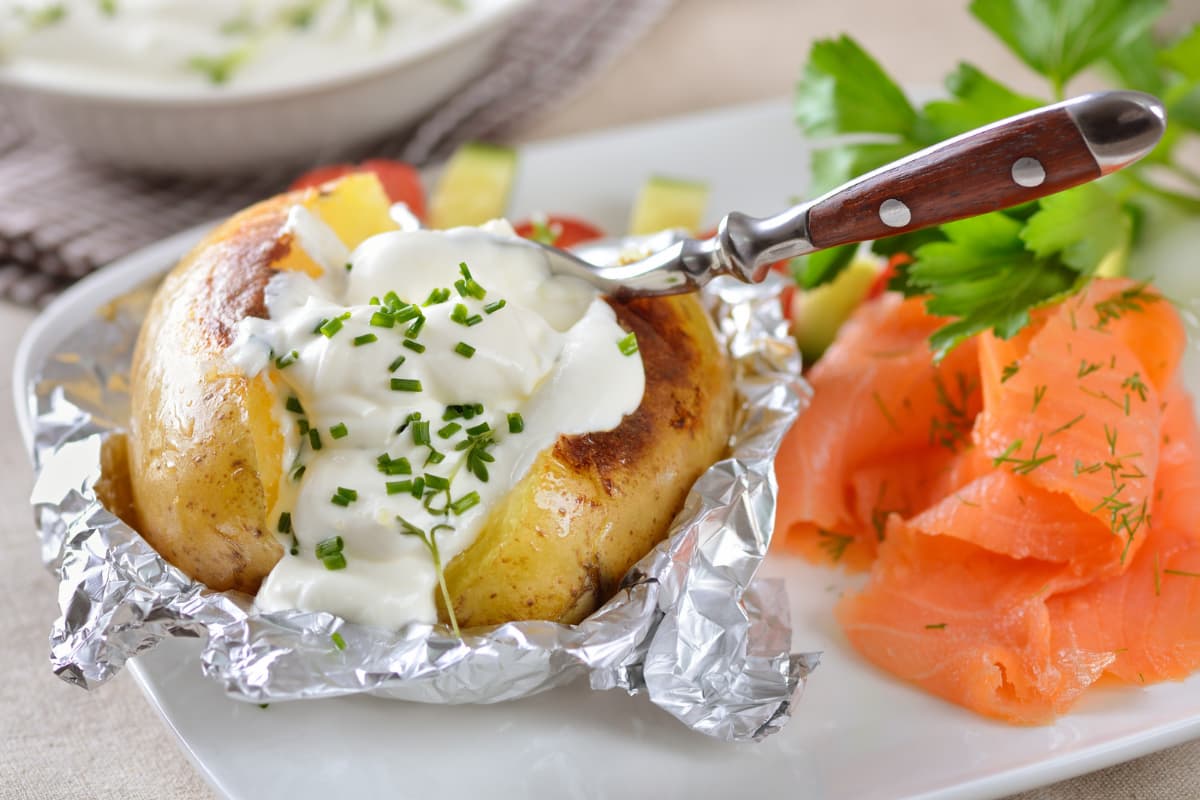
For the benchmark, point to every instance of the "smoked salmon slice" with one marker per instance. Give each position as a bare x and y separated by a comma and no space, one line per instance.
1050,537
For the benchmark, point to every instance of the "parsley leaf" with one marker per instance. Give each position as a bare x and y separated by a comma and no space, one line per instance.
1084,225
983,276
1184,55
977,101
1058,38
844,90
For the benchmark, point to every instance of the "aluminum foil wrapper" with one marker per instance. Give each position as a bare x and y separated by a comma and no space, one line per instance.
690,627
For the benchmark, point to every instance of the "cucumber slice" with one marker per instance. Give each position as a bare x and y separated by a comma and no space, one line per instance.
668,203
474,187
819,313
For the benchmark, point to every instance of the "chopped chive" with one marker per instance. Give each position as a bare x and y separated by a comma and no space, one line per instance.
472,286
420,432
338,500
298,473
434,457
628,344
336,637
334,562
395,365
465,350
408,314
516,423
437,296
382,319
418,487
366,338
389,466
339,431
416,347
492,308
462,316
479,429
324,321
334,325
302,426
411,418
285,522
374,301
414,330
327,547
293,404
314,438
285,361
399,487
406,385
469,500
393,301
349,266
461,287
451,412
436,482
446,431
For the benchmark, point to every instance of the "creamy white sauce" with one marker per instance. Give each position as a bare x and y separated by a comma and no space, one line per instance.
132,45
550,354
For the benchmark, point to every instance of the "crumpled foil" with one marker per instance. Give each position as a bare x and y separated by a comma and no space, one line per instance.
690,627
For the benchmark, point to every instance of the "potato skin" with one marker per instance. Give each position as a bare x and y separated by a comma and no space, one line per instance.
194,466
591,506
205,454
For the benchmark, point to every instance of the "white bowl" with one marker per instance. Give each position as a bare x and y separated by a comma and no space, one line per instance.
242,130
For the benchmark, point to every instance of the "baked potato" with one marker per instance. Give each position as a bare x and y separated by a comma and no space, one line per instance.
206,448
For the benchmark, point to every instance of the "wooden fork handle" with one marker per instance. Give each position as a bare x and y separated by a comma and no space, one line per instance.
1005,164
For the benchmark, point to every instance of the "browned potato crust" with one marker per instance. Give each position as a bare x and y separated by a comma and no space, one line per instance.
205,453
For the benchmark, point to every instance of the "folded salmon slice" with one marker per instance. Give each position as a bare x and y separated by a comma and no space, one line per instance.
880,404
1059,539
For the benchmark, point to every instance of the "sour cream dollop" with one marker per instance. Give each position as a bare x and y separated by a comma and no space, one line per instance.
418,379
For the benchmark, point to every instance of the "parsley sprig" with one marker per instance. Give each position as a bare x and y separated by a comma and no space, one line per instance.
988,273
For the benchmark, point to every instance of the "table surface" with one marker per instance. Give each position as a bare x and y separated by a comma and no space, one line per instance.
59,741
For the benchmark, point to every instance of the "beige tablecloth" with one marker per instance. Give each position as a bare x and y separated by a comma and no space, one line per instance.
58,741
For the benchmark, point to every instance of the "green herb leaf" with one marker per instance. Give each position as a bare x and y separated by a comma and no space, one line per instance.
1184,55
983,276
1084,225
844,90
978,101
1058,38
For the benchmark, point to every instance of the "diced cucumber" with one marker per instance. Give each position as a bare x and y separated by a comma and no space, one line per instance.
474,187
818,313
668,203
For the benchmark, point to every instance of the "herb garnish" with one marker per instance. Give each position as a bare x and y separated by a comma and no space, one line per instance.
329,552
834,544
430,541
628,344
990,272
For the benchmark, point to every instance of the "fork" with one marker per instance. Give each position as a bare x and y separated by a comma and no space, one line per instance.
1007,163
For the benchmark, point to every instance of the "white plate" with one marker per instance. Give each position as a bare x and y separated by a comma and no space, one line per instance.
857,733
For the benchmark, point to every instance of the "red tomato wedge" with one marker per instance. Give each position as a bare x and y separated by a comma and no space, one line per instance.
401,181
566,231
885,277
